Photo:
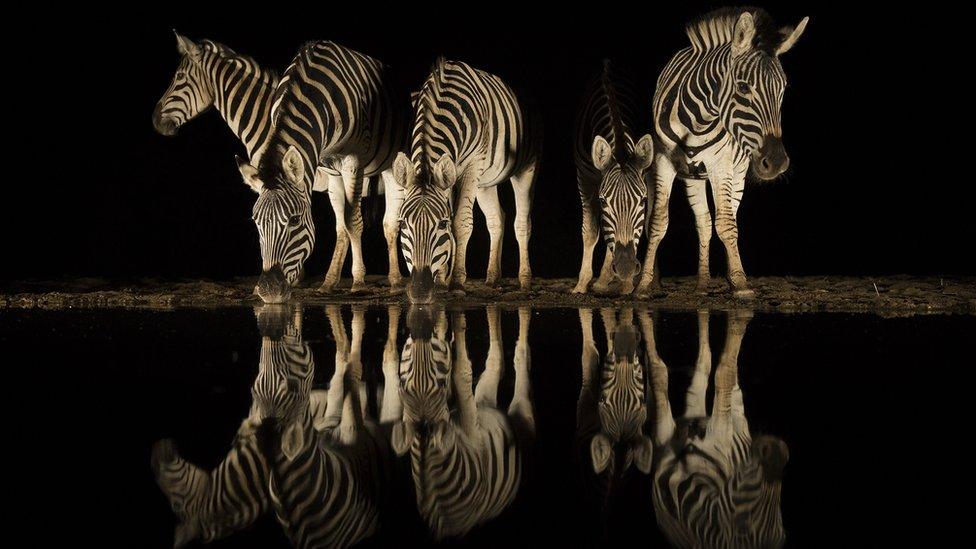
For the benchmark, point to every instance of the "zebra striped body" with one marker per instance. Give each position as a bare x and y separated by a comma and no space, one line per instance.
716,115
470,133
610,167
714,485
211,74
466,467
334,108
324,485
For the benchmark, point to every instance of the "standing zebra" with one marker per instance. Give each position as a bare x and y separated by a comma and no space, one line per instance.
211,74
714,485
470,133
467,466
335,108
325,484
716,114
610,169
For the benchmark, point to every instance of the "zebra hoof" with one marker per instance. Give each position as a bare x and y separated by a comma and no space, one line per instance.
358,288
525,283
601,288
702,286
327,288
579,289
744,294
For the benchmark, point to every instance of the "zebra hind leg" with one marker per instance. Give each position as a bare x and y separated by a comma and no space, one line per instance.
495,219
524,186
338,200
590,234
352,178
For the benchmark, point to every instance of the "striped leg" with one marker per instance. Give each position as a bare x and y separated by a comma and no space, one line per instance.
727,192
664,174
337,196
463,225
352,178
664,425
486,392
392,408
521,405
524,185
695,397
590,235
698,200
391,226
495,218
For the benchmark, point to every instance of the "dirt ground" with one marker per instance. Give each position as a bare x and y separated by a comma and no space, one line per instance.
889,296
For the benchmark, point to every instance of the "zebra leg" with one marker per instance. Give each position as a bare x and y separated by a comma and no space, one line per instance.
495,218
463,225
391,226
658,375
664,174
486,392
695,397
352,178
337,197
590,235
392,408
698,200
727,403
521,406
727,192
461,377
524,185
355,370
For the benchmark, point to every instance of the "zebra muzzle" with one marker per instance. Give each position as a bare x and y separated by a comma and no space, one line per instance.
273,287
421,289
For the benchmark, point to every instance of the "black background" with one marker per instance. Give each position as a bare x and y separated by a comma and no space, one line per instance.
869,191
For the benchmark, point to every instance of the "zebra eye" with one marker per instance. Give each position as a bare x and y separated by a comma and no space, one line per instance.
294,220
743,87
443,224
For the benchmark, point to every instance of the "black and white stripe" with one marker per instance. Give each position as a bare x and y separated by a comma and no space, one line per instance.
470,130
716,115
610,166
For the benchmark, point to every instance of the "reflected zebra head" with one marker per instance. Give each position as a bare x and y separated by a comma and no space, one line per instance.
752,91
188,94
280,393
621,440
623,199
283,216
425,367
426,231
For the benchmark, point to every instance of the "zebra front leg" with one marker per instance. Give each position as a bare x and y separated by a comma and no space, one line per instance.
463,225
495,219
486,392
462,377
695,397
664,174
727,408
391,226
663,422
698,200
590,234
524,186
352,178
392,408
337,197
727,192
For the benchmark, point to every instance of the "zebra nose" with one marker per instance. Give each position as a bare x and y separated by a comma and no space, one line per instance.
772,158
165,126
624,260
273,287
421,288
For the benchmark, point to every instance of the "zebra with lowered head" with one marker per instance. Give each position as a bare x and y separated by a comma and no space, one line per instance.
716,115
335,108
470,133
212,75
610,167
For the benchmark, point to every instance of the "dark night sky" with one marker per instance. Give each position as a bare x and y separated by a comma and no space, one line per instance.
109,197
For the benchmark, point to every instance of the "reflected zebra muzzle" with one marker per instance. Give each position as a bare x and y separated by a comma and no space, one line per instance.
273,287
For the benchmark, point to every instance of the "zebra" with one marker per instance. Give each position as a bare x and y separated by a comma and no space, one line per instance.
466,467
610,168
211,74
335,108
470,133
716,115
325,484
714,484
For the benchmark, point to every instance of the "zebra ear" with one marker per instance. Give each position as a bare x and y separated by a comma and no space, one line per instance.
445,172
643,454
743,34
292,440
600,452
644,152
791,36
401,437
250,174
403,172
601,152
187,47
293,165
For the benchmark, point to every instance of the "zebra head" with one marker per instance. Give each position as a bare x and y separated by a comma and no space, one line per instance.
623,199
283,216
189,93
425,365
752,94
280,394
621,440
186,487
426,231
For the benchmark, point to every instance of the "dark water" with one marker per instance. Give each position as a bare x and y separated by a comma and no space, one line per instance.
813,430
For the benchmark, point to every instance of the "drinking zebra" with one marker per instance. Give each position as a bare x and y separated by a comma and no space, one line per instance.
714,484
335,108
212,75
716,114
467,466
470,133
610,169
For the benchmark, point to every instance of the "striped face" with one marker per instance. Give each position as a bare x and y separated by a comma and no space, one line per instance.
753,96
189,93
426,229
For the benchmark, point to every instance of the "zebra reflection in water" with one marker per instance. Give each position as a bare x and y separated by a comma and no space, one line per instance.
714,485
313,455
466,461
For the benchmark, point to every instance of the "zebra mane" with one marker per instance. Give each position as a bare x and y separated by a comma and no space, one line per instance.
267,76
716,27
616,121
425,101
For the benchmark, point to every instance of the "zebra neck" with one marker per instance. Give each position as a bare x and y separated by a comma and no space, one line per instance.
707,70
242,95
